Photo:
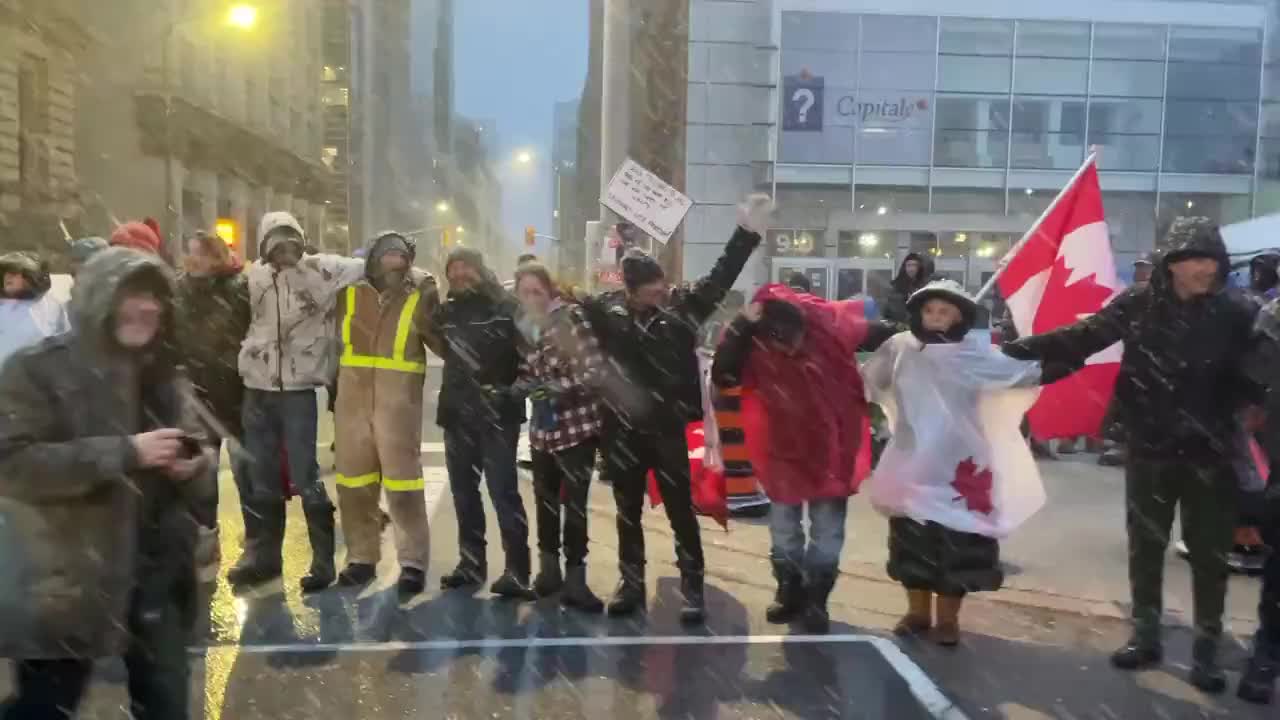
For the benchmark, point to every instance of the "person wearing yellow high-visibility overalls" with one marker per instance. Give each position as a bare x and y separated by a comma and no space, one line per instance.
385,323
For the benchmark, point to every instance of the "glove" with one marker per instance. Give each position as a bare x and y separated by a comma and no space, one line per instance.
1018,351
754,212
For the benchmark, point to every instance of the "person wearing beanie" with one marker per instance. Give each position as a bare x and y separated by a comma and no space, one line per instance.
1180,386
285,356
804,413
651,390
28,311
481,409
137,236
385,322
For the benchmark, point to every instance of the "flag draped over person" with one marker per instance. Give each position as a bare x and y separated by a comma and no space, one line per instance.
1061,272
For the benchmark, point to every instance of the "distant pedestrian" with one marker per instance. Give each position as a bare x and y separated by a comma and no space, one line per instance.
799,282
914,273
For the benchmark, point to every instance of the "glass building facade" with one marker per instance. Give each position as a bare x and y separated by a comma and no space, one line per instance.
944,135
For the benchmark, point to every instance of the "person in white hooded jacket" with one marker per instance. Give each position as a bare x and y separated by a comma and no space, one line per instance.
288,353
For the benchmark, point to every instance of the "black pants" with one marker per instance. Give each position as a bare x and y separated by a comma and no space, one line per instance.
156,660
569,472
628,458
471,451
1205,493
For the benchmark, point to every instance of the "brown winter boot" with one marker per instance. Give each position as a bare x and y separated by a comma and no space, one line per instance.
919,617
948,627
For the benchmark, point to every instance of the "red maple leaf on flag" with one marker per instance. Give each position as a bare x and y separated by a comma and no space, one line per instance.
1085,292
974,487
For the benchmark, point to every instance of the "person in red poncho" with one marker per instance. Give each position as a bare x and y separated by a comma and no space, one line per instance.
805,416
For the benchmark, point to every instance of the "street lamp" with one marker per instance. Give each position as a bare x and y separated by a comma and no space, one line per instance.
442,207
524,157
460,229
243,16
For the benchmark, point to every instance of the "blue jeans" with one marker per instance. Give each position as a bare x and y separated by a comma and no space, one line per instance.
470,451
820,554
275,421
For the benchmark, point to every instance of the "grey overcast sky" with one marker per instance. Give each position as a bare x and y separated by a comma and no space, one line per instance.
514,60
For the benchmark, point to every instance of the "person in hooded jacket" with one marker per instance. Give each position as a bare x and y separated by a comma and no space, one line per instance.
213,317
100,462
28,311
560,363
651,390
385,323
914,273
1264,278
797,356
1180,386
481,409
286,355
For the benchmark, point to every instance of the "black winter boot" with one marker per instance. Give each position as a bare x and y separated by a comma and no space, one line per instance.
1206,674
1258,682
629,596
412,582
577,594
694,609
513,585
357,575
549,580
1138,654
816,618
790,599
466,574
263,540
320,531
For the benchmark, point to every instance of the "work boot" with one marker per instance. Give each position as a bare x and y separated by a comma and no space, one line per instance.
1206,674
947,628
576,593
263,539
357,575
1138,654
816,618
789,600
466,574
549,580
320,531
629,596
1258,682
412,582
919,617
694,608
513,585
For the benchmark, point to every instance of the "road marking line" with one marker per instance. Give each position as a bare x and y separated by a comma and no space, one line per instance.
918,681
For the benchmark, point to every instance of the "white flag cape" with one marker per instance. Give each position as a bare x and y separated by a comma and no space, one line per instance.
957,456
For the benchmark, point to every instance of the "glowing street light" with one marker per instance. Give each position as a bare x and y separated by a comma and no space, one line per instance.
524,157
442,207
460,229
243,16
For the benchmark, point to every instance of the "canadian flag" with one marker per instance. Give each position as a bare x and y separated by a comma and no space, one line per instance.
1064,271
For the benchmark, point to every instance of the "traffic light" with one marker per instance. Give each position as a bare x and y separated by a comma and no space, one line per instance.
228,230
530,236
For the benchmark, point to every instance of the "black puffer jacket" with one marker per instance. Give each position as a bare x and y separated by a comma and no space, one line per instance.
481,358
1181,377
895,306
651,382
213,319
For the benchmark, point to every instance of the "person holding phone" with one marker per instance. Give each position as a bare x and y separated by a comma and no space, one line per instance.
101,463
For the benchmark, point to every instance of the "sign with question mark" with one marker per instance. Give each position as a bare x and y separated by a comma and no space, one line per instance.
802,97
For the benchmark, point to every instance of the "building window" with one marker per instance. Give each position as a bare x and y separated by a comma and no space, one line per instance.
33,121
1211,112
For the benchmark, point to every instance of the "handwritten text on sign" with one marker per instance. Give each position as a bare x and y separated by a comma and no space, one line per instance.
646,200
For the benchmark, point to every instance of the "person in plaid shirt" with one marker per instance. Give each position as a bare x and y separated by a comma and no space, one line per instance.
560,359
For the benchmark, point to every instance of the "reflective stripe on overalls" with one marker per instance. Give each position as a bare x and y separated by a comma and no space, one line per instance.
396,362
